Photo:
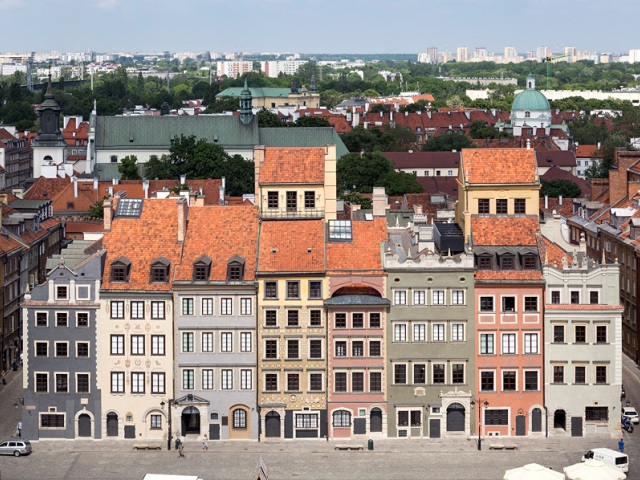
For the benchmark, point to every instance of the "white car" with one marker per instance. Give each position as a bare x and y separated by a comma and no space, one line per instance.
631,414
15,447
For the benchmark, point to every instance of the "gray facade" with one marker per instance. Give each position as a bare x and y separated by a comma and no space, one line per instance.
61,394
430,336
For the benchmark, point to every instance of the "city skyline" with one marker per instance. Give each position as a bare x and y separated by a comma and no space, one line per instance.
135,26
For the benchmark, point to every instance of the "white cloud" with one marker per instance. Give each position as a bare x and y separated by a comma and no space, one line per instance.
8,4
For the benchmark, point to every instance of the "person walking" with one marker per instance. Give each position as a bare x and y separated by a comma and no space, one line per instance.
621,446
181,451
19,428
205,442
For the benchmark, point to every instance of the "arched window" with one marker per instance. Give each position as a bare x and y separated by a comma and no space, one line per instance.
239,418
114,159
527,114
341,418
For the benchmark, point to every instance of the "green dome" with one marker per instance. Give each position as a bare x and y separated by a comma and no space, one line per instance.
530,99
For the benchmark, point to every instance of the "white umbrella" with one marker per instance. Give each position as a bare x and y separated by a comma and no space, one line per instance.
593,470
532,471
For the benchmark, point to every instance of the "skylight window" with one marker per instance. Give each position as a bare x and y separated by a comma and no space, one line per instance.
340,231
129,207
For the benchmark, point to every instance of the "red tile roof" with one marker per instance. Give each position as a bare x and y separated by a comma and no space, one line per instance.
448,185
291,246
588,151
292,165
508,275
551,253
420,160
363,252
558,158
504,231
499,166
559,174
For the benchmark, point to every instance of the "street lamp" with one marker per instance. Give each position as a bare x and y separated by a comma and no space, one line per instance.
170,402
480,402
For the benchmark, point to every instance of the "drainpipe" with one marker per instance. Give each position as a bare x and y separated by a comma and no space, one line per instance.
546,416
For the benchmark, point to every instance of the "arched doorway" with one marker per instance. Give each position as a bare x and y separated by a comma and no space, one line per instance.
239,423
272,425
190,421
112,425
536,420
84,425
375,420
455,418
560,419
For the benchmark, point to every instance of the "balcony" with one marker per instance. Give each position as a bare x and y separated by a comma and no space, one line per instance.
306,213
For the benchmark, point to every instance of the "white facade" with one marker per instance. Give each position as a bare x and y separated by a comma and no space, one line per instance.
233,69
273,68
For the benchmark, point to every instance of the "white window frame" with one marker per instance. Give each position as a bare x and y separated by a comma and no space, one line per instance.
137,382
158,382
511,344
226,306
207,340
158,343
419,297
226,342
207,379
207,306
438,297
458,333
246,341
158,310
137,310
246,306
529,342
457,297
116,307
510,370
117,380
83,288
492,350
137,344
188,306
246,379
400,332
226,379
419,332
400,297
189,339
438,333
119,345
188,379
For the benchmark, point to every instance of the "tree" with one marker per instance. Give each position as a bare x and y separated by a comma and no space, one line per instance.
97,209
128,169
312,122
479,129
357,199
268,119
399,183
447,143
555,188
160,168
357,173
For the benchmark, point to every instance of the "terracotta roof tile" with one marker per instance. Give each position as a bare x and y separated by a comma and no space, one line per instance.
588,151
284,246
504,231
508,275
363,253
499,165
559,174
292,165
46,188
550,252
8,244
448,185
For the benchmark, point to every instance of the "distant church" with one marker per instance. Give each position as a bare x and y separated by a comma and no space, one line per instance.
530,110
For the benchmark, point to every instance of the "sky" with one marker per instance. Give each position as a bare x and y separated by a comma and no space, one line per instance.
316,26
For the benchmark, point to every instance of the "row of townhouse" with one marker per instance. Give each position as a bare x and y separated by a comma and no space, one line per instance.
282,321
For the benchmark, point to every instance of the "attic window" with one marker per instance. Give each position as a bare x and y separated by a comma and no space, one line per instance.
160,270
120,270
484,262
202,268
70,206
507,262
529,262
235,269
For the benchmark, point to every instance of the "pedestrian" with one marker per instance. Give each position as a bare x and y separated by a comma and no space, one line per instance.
19,428
181,451
621,445
205,442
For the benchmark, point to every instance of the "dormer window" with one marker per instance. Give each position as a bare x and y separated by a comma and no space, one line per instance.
529,262
527,114
484,262
160,270
507,262
235,269
120,270
202,269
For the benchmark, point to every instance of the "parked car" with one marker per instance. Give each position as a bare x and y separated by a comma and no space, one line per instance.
631,414
15,447
608,456
622,392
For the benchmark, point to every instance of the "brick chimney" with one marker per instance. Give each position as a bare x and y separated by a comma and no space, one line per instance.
619,178
108,214
379,202
182,218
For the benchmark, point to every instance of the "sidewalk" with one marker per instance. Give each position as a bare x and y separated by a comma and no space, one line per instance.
9,395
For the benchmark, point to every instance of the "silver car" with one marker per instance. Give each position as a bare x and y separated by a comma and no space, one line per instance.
15,447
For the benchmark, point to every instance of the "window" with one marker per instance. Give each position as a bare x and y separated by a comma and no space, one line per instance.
419,297
293,349
137,382
483,205
438,373
188,377
82,383
309,200
306,420
272,199
117,382
293,289
315,289
419,332
437,297
601,334
400,297
226,342
341,418
496,417
580,374
137,310
457,297
187,342
137,344
62,319
245,306
157,382
357,382
292,202
239,419
555,297
374,348
501,205
358,320
580,334
271,349
507,262
341,349
246,379
411,418
207,342
375,381
82,319
82,349
601,374
207,379
157,344
399,374
419,373
509,381
558,374
271,382
437,332
157,310
530,304
293,382
486,304
594,298
62,349
187,306
245,342
558,334
374,320
508,343
315,318
596,414
207,306
357,348
457,373
271,318
487,381
487,343
508,304
315,348
160,271
117,344
235,269
531,381
52,420
271,289
341,320
42,382
520,205
227,379
201,270
575,297
226,306
62,292
42,349
530,343
485,262
457,332
41,319
315,382
400,332
292,318
340,382
529,262
156,422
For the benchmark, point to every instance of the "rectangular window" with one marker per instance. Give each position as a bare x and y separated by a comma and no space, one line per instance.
157,344
457,332
187,306
530,304
207,342
292,318
62,292
41,319
62,349
293,382
137,382
315,289
437,297
374,348
501,206
82,383
187,342
292,202
357,320
529,262
246,342
357,348
207,306
82,319
520,205
457,373
188,379
62,319
157,310
400,332
487,343
508,304
486,304
117,309
419,332
341,349
271,349
82,349
400,297
438,373
226,306
271,382
400,374
272,199
315,382
419,297
531,381
509,381
246,379
52,420
530,343
496,417
555,297
309,199
357,382
419,373
137,310
508,343
62,383
437,332
117,382
580,374
42,382
226,342
596,414
375,381
507,262
117,344
558,374
457,297
246,306
42,349
580,334
340,382
341,320
558,334
601,374
374,320
485,262
271,318
575,297
487,381
156,422
315,318
594,298
271,289
137,344
207,379
293,349
293,290
306,420
315,348
483,205
601,334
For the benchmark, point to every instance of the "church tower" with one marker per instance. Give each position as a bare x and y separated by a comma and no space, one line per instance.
246,108
49,147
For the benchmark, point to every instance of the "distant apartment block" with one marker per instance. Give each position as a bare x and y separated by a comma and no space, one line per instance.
233,69
273,68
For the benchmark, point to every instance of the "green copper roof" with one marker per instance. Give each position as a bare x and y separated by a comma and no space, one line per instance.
530,100
302,137
257,92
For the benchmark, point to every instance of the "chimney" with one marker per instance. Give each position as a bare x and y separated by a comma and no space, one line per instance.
108,214
182,219
145,187
379,202
559,199
183,179
222,189
95,183
546,202
391,116
111,190
114,181
528,144
75,186
583,244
